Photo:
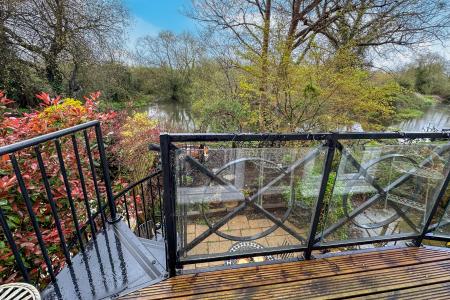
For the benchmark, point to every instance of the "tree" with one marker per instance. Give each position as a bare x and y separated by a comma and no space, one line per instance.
369,24
431,76
48,34
176,56
267,33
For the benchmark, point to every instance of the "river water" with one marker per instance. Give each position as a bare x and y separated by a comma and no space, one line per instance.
437,117
177,117
172,117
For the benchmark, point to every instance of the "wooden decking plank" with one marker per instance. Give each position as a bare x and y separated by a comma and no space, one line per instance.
343,286
189,285
344,262
432,291
286,275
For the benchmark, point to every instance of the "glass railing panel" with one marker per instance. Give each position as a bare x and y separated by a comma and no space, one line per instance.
245,199
383,190
441,221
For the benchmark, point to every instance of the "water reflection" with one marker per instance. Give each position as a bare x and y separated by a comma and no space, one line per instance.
177,117
173,117
437,117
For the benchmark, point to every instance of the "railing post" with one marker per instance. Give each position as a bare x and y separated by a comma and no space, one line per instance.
105,169
169,205
331,143
435,206
10,238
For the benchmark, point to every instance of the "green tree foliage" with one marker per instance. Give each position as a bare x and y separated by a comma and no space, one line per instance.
428,74
314,96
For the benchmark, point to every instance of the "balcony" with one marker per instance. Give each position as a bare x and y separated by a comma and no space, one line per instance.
327,215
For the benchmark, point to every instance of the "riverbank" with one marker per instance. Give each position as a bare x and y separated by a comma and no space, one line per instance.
413,112
138,103
412,106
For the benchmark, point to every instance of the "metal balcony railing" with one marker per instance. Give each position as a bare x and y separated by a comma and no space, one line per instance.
23,153
229,197
234,196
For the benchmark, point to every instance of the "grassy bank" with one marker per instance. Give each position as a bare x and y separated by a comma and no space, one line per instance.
138,101
412,105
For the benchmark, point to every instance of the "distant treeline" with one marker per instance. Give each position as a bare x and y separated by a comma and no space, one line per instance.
260,65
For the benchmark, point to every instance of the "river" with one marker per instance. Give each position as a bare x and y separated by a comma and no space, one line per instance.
177,117
173,117
437,117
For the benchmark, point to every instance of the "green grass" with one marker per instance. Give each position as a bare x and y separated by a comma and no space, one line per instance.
139,101
408,113
412,105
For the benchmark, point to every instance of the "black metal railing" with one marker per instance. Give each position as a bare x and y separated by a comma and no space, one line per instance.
141,206
387,187
74,163
319,191
62,181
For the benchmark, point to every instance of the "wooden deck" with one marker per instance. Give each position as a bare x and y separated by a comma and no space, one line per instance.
405,273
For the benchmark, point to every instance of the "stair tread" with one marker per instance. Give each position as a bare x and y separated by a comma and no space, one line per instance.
113,264
157,248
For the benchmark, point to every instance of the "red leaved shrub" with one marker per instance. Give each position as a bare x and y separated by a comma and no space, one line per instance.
54,114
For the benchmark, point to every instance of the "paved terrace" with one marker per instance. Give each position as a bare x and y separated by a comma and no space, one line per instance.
238,226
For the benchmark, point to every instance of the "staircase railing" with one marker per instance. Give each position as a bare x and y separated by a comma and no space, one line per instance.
50,174
140,205
66,173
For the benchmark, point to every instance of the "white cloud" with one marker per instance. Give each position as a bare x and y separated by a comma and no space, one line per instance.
140,28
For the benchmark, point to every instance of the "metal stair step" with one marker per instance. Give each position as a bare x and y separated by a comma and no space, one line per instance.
115,263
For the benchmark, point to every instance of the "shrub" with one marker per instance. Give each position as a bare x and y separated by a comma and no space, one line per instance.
133,156
55,114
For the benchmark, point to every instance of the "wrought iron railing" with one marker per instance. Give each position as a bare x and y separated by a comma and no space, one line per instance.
71,165
291,193
62,181
233,196
141,206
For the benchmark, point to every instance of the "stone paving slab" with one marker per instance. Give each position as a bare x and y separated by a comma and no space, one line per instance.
240,226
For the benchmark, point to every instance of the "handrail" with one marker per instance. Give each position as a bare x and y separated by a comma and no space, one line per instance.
45,138
223,137
129,187
67,175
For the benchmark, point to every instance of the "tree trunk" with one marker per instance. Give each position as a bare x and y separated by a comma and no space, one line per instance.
263,98
74,87
54,75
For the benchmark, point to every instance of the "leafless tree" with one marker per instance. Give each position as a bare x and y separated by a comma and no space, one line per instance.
49,33
380,23
180,52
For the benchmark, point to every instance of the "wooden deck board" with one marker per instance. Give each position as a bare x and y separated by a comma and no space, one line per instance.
394,273
431,291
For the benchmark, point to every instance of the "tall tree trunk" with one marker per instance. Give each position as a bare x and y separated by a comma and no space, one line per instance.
289,44
54,75
263,100
74,87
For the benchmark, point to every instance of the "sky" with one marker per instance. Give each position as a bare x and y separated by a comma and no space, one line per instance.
151,16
